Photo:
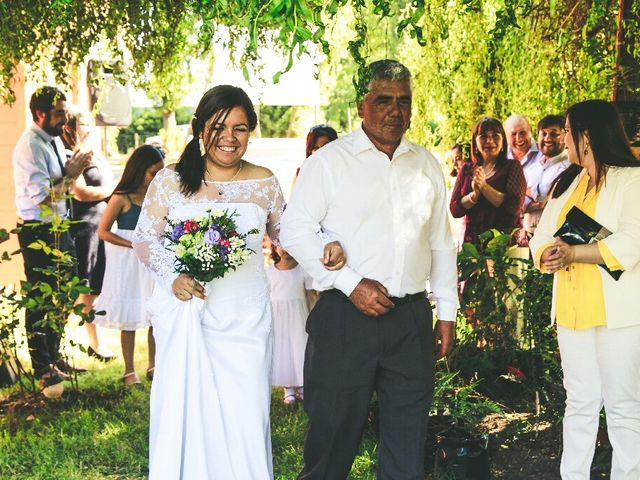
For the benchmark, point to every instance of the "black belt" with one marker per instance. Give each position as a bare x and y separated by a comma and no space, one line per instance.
411,297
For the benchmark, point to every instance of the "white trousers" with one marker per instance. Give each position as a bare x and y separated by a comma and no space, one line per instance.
601,366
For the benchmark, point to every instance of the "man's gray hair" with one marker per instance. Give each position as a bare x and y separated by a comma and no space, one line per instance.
387,70
513,119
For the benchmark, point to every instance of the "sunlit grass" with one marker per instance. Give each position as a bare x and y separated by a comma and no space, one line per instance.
100,431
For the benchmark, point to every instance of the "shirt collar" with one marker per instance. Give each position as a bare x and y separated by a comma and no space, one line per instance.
561,157
41,133
363,143
532,153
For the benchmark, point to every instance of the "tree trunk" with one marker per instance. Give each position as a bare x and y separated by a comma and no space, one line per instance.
292,121
257,133
626,81
168,120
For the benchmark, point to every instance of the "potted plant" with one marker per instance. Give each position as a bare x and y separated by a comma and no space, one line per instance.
456,444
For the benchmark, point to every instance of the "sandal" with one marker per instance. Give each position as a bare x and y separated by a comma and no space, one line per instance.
130,379
150,372
289,396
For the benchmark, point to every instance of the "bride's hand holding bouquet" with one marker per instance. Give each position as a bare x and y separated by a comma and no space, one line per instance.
205,248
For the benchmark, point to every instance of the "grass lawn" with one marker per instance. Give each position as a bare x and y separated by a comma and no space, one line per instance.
100,431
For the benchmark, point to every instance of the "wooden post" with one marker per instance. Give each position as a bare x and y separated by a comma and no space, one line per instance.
13,121
626,80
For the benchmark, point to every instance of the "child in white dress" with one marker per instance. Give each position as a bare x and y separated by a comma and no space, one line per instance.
127,283
290,311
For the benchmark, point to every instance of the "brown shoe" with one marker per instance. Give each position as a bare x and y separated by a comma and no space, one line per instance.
64,367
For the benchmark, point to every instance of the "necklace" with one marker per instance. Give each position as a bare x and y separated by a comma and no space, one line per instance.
489,172
220,191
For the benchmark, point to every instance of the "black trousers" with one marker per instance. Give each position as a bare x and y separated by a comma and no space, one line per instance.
349,356
42,338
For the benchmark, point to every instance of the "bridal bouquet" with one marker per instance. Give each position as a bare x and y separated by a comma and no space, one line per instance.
208,247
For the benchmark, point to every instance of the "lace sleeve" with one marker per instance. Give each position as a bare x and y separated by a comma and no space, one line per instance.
275,210
148,242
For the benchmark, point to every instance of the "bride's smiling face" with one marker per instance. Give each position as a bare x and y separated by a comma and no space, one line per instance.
227,138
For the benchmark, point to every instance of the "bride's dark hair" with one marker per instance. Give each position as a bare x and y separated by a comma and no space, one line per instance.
216,103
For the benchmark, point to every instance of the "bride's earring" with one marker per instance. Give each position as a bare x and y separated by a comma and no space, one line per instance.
203,150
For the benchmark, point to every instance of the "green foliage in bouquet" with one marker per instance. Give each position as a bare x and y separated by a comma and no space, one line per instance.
207,247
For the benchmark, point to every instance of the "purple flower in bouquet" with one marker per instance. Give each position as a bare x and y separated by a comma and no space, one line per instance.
203,246
212,236
177,232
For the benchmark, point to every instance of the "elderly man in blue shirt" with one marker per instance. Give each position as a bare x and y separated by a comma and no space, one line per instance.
523,149
43,177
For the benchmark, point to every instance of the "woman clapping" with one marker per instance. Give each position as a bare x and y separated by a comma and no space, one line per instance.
489,190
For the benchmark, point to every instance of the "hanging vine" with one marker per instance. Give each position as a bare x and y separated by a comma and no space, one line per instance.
162,34
469,57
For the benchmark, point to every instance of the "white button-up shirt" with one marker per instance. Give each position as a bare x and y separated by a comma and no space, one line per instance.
549,169
35,169
545,173
389,216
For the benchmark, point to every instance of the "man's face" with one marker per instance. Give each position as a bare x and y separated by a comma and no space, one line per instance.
551,140
519,136
54,120
386,113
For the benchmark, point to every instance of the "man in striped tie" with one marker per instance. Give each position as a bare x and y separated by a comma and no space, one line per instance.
42,179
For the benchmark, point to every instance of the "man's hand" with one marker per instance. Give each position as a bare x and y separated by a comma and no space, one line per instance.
77,164
371,298
443,336
333,257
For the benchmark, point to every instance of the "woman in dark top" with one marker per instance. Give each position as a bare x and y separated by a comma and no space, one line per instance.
97,183
489,191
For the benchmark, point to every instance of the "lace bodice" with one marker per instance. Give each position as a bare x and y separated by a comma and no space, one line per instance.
164,200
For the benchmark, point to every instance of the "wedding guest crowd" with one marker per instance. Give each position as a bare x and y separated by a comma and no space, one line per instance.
372,327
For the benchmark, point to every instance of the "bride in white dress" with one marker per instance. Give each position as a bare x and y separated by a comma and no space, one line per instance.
211,389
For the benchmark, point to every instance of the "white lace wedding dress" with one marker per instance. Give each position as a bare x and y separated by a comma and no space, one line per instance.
211,390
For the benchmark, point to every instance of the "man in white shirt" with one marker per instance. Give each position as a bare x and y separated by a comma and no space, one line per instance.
42,177
384,198
550,163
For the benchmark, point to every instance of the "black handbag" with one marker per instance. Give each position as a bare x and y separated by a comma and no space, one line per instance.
580,229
